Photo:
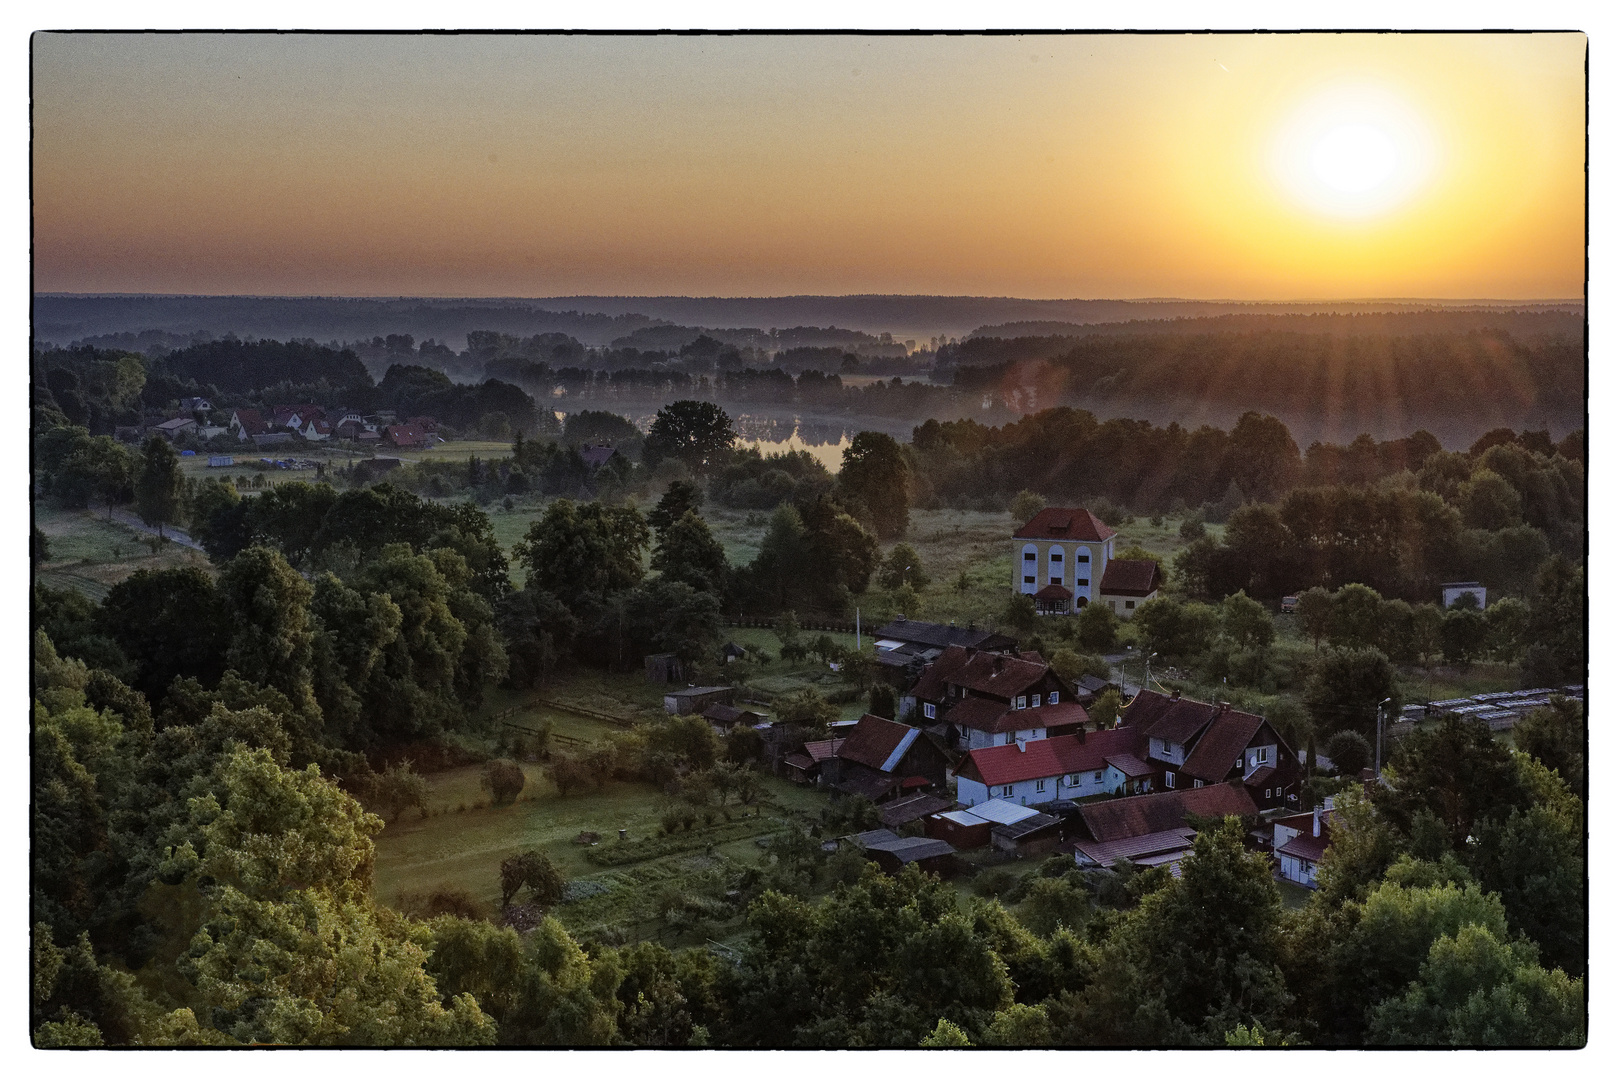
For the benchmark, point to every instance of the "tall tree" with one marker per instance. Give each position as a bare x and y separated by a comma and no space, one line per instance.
876,477
687,551
158,484
694,432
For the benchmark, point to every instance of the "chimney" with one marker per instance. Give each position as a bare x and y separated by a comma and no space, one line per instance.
1174,696
1224,707
1081,733
1317,821
999,663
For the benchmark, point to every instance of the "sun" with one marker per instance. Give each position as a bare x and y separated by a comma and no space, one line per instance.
1353,151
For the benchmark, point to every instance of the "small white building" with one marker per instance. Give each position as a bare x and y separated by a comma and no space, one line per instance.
1454,590
1300,843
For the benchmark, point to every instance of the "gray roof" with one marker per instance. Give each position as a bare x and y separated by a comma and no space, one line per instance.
697,691
938,635
909,849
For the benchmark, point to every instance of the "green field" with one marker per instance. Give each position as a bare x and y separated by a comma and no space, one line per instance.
460,848
92,554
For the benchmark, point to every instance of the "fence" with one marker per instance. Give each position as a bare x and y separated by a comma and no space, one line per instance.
505,715
811,622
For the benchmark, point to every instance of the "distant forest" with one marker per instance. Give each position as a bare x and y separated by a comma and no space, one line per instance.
1456,372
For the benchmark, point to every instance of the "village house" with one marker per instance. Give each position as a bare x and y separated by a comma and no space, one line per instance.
725,718
803,767
405,436
1045,770
1063,558
1300,842
904,648
196,405
1154,830
316,430
247,423
881,759
1194,744
993,699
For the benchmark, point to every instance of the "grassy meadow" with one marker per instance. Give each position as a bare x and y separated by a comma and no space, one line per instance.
92,554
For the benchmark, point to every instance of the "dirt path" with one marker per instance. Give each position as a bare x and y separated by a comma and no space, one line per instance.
178,536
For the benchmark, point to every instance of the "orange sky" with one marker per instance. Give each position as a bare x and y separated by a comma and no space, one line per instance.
1081,166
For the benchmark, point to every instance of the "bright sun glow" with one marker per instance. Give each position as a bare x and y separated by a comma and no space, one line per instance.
1353,152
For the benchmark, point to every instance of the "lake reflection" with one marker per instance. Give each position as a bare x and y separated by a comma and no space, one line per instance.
775,434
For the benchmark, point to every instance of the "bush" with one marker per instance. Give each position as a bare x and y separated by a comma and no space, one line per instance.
533,871
1025,504
504,779
441,901
1349,751
392,792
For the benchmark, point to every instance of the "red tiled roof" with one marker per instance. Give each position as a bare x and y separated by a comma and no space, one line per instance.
982,714
1131,577
1130,765
1043,758
1137,815
998,674
1063,523
873,741
1054,592
821,749
934,682
1215,754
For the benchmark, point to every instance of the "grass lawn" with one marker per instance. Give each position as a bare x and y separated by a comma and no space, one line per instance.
1293,896
92,554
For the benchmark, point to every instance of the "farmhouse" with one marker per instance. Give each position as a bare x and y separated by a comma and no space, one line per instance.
405,436
978,699
1194,743
881,758
1044,770
1129,583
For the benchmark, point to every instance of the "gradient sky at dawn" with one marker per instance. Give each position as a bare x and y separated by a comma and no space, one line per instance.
1221,166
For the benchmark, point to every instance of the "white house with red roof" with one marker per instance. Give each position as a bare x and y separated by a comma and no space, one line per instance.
1063,558
1064,767
1300,843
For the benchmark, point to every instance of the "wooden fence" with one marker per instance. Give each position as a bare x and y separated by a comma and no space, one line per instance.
809,622
504,715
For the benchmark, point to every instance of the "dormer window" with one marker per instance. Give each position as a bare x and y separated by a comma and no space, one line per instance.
1022,702
1036,701
1052,699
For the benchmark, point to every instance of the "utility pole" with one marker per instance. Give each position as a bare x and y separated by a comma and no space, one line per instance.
856,628
1379,707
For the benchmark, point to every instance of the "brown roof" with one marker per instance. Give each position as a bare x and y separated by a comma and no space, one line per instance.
1131,577
1130,765
983,714
800,761
1063,523
934,682
998,674
911,808
1216,752
1054,592
1175,720
726,714
1137,815
1307,845
874,740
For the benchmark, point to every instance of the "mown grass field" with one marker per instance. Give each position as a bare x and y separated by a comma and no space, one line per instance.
91,554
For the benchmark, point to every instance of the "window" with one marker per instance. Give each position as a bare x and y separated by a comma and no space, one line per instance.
1196,783
1052,699
1266,793
1168,779
1083,556
1073,781
1129,604
930,710
1081,581
1039,785
1011,737
1114,605
1098,776
1022,701
1263,754
1028,579
1006,791
1056,581
1028,556
1036,701
1056,555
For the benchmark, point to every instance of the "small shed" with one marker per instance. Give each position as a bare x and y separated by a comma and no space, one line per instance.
220,461
733,652
961,828
1033,835
893,853
694,699
664,668
911,808
723,718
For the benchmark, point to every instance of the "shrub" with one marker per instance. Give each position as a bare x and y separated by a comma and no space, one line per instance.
504,779
391,792
531,870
